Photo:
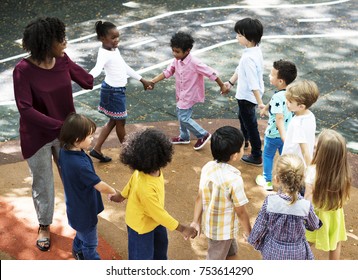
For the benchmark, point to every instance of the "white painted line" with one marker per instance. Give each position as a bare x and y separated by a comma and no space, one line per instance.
131,4
142,43
314,19
166,62
169,14
217,23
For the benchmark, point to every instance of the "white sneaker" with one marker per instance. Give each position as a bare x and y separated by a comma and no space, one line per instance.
260,180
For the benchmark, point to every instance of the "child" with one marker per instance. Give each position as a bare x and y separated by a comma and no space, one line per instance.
300,136
147,152
328,183
221,195
282,74
189,82
113,98
250,88
279,230
82,185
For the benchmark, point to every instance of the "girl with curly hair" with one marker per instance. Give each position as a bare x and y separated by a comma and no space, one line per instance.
147,152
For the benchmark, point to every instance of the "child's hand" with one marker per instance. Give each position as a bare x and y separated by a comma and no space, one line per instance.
263,112
147,84
261,106
187,231
197,227
116,197
225,88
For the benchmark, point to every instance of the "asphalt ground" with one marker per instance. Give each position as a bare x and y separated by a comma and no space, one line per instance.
320,37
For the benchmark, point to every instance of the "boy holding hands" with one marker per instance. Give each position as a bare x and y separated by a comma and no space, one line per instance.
282,74
250,88
221,198
189,75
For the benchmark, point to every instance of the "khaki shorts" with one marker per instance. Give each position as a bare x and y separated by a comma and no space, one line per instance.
220,249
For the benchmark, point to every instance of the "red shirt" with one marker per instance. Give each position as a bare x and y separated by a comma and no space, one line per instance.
44,99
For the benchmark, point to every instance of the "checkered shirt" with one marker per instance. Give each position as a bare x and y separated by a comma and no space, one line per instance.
279,230
222,190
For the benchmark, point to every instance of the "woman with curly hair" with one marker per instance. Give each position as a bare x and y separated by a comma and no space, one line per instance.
43,94
147,152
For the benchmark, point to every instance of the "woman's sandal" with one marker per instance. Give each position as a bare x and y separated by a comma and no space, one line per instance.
101,157
43,243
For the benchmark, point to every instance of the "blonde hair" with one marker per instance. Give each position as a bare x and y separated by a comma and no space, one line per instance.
333,175
290,171
304,92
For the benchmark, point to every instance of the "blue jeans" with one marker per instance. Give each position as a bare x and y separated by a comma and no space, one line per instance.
248,123
87,242
271,145
187,125
149,246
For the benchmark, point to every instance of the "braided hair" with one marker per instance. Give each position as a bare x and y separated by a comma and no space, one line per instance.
290,171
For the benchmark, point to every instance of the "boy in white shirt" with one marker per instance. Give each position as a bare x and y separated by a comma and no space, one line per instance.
301,132
250,88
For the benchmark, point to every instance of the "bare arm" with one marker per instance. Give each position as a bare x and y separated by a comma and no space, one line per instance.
258,99
198,211
158,78
230,83
244,220
280,123
264,111
305,153
308,191
223,88
103,187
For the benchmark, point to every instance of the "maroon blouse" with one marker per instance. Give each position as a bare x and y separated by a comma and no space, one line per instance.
44,99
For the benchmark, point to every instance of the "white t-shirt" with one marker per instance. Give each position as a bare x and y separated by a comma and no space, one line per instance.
302,129
115,68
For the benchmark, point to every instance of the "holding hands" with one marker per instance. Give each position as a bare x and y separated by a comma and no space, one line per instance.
117,197
147,85
187,231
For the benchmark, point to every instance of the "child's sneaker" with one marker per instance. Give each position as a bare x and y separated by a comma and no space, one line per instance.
260,180
201,142
178,140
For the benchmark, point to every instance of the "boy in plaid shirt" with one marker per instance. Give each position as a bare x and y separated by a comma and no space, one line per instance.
221,198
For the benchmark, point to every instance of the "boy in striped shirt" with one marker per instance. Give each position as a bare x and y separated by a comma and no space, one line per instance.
221,199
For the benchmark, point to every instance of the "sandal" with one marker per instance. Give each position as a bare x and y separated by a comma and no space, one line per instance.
101,157
43,243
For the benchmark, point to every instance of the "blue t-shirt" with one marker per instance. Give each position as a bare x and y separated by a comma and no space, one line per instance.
83,201
277,106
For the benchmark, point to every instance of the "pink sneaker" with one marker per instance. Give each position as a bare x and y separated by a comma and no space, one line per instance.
178,140
201,142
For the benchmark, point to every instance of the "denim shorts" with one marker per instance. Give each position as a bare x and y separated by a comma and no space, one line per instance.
113,102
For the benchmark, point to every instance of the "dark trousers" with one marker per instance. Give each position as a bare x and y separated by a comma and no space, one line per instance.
148,246
248,122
